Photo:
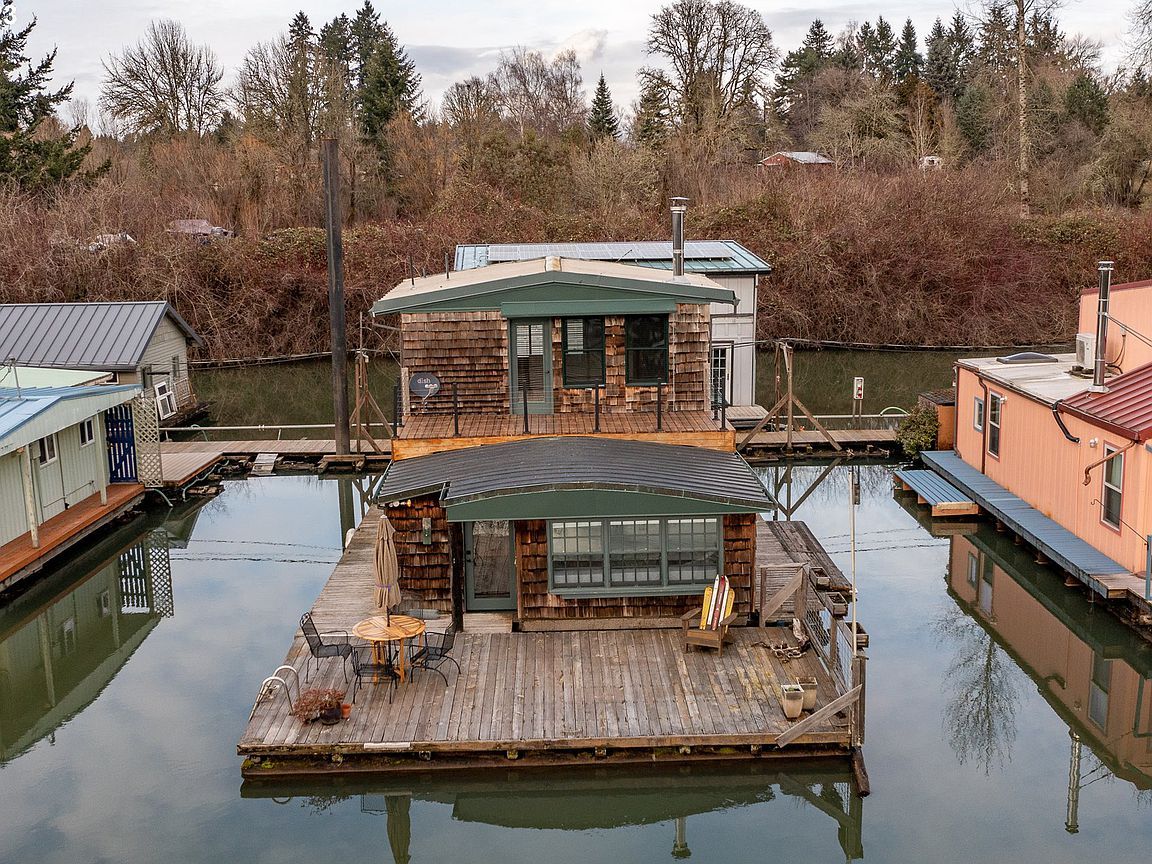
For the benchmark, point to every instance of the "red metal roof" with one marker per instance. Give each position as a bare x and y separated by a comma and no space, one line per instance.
1125,408
1123,286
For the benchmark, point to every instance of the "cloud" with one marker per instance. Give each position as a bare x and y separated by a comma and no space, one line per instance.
588,44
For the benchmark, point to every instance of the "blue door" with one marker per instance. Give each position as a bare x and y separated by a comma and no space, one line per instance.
121,438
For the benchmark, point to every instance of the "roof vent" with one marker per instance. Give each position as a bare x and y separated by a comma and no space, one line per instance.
552,262
1027,357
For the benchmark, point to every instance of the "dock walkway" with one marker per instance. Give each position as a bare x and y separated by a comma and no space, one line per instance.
1106,577
544,697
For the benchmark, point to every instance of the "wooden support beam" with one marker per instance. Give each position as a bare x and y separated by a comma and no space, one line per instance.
772,604
817,717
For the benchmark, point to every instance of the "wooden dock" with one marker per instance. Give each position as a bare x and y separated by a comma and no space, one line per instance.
550,697
20,559
811,440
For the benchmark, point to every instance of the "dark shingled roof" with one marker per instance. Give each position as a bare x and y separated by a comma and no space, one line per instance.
576,463
105,336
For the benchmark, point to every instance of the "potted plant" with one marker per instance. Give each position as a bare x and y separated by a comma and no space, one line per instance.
793,700
808,682
319,704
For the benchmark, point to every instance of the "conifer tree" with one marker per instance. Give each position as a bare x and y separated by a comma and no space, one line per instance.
907,62
602,122
391,85
651,122
883,50
33,162
940,71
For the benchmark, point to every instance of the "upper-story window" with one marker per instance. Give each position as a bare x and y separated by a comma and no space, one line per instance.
995,409
583,349
46,449
1113,494
646,349
978,415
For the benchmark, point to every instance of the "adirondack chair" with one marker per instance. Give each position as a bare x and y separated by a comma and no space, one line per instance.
708,625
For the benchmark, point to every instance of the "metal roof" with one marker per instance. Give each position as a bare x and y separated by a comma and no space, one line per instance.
110,336
700,256
1126,406
805,157
1045,381
634,472
536,280
28,414
33,376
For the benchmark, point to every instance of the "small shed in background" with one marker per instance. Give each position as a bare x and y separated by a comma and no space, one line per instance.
785,158
943,401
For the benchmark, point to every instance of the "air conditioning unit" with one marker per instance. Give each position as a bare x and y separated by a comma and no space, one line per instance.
1086,350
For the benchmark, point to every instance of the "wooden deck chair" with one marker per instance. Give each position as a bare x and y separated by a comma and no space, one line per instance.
712,619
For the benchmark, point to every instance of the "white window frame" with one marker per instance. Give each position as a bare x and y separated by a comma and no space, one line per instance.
46,450
997,424
165,400
1106,487
978,414
87,431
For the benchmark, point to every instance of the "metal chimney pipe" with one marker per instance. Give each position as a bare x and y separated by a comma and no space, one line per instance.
679,206
1099,367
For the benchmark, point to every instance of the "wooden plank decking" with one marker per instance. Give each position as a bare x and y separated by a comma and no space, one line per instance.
548,696
182,466
811,439
19,558
936,492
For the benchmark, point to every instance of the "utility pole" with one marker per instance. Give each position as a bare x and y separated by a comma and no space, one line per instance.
331,156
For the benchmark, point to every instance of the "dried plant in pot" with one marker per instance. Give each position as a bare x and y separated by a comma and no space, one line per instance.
323,705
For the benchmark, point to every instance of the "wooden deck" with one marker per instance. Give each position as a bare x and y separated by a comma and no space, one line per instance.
849,439
934,491
20,559
180,467
545,697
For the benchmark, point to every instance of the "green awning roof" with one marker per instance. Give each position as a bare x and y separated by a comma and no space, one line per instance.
575,477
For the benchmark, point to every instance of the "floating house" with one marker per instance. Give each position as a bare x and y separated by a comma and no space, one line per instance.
144,343
67,467
561,430
1056,446
800,158
732,354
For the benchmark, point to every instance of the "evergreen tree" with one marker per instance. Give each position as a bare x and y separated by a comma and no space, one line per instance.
883,51
652,122
793,97
602,122
973,117
818,41
907,62
940,70
866,45
33,162
1086,101
391,86
365,33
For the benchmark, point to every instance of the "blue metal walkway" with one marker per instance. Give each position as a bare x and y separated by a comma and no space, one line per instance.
1084,561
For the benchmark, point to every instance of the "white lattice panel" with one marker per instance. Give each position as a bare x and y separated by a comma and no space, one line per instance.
146,423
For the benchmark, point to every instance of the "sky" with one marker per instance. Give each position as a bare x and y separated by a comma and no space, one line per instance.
452,39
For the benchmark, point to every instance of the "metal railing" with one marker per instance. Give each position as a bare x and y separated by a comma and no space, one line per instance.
268,688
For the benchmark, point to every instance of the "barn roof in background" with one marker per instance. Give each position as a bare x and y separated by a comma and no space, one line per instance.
715,257
111,336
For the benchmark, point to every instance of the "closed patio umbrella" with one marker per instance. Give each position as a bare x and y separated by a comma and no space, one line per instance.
385,567
399,827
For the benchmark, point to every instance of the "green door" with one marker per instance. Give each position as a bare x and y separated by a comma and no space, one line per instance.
530,363
489,565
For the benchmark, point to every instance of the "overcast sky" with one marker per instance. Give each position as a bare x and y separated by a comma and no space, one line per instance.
451,39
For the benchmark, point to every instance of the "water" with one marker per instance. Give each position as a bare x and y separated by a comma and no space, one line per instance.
300,393
122,746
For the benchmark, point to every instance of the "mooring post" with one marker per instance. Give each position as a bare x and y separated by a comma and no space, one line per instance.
339,336
659,407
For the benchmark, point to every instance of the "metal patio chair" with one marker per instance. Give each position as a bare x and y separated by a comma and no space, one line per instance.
364,667
319,648
435,653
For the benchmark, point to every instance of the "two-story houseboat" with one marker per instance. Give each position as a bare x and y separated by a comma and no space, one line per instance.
1056,447
561,431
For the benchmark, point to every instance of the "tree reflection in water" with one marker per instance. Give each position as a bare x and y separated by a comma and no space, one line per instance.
984,693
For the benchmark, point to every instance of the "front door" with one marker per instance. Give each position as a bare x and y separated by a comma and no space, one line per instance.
530,347
489,565
721,373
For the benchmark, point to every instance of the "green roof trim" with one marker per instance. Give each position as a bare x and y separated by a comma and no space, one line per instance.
544,289
598,503
584,308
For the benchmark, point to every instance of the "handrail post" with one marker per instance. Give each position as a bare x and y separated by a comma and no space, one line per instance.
455,412
723,412
396,410
524,393
596,408
659,407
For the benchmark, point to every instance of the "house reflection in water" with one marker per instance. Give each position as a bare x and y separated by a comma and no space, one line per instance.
65,638
590,798
1094,672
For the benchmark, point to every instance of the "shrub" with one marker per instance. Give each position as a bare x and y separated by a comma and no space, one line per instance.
918,430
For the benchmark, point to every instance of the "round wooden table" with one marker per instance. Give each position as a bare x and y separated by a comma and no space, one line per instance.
380,631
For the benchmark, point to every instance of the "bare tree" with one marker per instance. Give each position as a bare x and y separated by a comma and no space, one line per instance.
720,53
471,105
537,94
1141,34
164,84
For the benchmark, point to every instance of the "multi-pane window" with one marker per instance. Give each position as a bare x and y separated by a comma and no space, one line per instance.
720,373
646,349
46,449
626,555
528,356
577,553
1098,690
87,432
583,341
1113,488
978,415
995,408
973,570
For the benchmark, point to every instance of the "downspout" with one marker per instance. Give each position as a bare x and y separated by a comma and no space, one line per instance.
1060,422
1108,458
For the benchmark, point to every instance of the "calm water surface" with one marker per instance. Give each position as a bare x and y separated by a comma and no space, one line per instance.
126,678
